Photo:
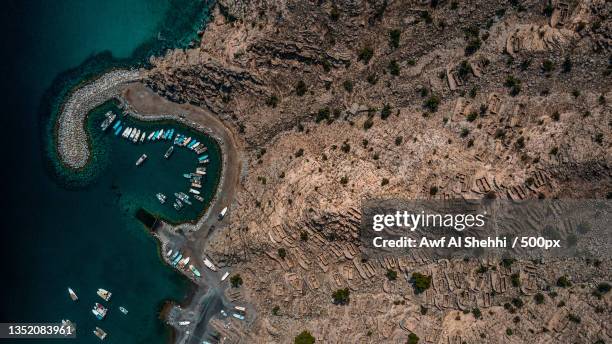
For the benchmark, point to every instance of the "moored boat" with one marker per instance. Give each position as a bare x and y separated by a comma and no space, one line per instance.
99,311
161,197
199,198
123,310
195,271
104,294
100,333
194,191
110,117
225,275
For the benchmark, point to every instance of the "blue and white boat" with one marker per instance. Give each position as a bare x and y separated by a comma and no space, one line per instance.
203,157
118,130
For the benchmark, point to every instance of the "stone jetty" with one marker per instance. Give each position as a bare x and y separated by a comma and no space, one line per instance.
72,138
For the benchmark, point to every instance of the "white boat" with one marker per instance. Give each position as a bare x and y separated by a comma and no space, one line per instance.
104,294
222,213
142,137
169,253
136,136
238,316
150,136
72,294
199,198
99,333
184,323
194,191
141,159
225,275
161,197
240,308
209,264
123,310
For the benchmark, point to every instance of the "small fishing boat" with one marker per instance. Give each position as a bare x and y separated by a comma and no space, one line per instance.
161,197
104,294
72,294
99,333
123,310
141,159
169,152
99,311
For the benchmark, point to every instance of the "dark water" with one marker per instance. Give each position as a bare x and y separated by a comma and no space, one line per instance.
60,229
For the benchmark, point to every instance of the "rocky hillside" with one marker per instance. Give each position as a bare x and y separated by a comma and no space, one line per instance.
341,101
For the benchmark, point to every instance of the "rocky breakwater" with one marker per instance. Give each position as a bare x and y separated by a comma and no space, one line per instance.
71,136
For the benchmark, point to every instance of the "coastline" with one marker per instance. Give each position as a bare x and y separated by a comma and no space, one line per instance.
143,104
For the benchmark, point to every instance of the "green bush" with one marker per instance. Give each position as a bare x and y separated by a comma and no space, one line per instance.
391,274
413,339
236,281
341,296
432,103
394,38
420,282
365,54
394,68
300,88
304,338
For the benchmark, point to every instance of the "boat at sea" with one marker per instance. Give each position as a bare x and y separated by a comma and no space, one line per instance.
201,171
194,191
199,198
116,125
141,159
99,311
187,175
169,152
68,325
100,333
104,294
205,161
203,157
118,129
110,117
197,185
209,264
142,137
195,271
123,310
126,132
150,136
184,323
175,255
161,197
238,316
72,294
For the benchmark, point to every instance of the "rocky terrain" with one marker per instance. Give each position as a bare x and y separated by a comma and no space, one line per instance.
336,102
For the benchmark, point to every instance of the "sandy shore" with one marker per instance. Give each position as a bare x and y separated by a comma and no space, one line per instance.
71,136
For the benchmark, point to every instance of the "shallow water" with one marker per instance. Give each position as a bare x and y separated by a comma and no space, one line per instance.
86,237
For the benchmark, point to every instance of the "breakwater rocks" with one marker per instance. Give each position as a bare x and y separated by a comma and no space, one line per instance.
72,143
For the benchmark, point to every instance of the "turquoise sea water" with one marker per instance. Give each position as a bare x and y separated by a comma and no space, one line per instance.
58,232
